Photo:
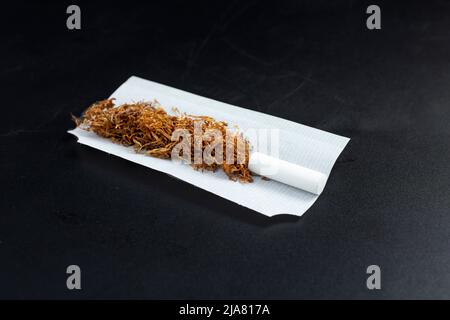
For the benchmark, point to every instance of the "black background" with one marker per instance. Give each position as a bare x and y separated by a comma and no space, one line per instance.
137,233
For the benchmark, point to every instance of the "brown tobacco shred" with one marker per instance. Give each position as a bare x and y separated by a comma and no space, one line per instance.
148,128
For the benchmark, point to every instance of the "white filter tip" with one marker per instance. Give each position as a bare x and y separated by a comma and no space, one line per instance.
287,173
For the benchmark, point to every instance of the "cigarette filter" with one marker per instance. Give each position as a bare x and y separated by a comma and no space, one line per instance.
288,173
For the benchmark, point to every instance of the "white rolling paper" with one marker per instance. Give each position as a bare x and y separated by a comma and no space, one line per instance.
287,173
300,145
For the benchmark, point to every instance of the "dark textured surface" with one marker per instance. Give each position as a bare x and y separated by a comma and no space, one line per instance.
137,233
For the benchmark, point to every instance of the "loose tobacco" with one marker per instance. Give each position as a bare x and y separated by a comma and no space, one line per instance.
148,128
